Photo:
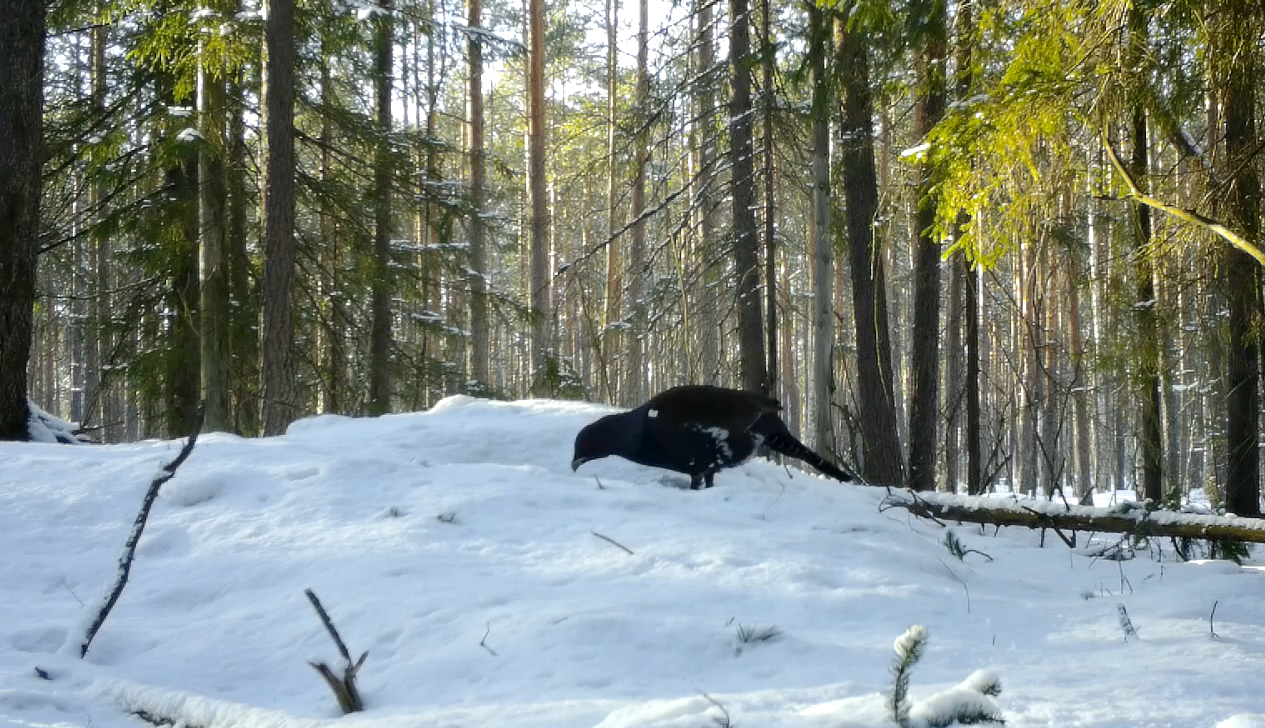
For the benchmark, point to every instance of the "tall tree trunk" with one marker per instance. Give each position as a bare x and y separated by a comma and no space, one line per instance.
742,168
479,352
954,371
538,201
612,313
244,347
213,264
768,56
382,286
182,381
278,373
634,365
1243,403
21,145
928,25
330,334
869,286
99,385
1080,386
971,314
705,130
1150,436
822,240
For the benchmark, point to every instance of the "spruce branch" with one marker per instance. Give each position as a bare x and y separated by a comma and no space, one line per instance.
1190,216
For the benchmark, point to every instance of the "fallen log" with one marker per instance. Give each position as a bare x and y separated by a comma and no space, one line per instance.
1127,518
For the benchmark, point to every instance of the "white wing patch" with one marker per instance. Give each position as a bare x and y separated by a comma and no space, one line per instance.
722,439
653,413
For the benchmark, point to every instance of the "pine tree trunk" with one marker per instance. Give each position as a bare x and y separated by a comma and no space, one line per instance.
278,372
99,386
742,165
612,310
634,365
928,25
1242,274
1150,435
21,142
213,264
182,380
869,286
709,317
768,56
479,353
381,286
822,240
538,201
964,84
244,347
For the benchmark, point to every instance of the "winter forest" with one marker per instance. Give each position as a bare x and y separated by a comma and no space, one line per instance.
970,245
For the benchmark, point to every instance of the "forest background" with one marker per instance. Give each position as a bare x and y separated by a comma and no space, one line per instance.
919,224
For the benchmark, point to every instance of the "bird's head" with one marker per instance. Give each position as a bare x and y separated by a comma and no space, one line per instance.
600,439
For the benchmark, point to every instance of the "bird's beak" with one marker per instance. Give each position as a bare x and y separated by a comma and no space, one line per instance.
575,464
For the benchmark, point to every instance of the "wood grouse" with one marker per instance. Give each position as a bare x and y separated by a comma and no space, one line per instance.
698,430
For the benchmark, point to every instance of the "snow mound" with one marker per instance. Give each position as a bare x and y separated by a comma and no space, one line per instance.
493,586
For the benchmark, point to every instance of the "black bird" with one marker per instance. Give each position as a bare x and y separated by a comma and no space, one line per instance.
697,429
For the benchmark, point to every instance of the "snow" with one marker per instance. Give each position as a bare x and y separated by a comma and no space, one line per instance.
457,547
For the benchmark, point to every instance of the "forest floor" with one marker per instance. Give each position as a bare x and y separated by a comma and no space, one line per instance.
491,586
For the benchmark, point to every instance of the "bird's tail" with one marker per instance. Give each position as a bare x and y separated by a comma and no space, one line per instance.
786,444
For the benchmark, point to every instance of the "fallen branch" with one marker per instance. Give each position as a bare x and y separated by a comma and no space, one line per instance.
344,689
129,548
1128,518
610,540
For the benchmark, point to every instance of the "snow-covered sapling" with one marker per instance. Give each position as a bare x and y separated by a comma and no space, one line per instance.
969,702
1126,624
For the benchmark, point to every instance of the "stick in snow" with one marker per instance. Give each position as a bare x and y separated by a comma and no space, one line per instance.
129,549
345,690
612,541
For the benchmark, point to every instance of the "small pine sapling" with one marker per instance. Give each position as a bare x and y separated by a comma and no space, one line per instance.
909,648
1126,624
968,703
958,549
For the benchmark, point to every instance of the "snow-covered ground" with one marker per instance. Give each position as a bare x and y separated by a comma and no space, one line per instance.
459,549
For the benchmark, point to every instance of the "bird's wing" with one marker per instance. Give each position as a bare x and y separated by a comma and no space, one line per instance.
709,407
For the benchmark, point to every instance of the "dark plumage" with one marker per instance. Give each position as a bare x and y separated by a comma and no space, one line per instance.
698,430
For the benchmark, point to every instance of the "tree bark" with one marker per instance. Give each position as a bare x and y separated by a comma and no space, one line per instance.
21,145
768,57
710,316
612,314
182,380
478,276
244,347
278,373
538,201
381,287
213,264
1242,276
869,286
1051,514
634,365
928,26
1150,435
742,168
822,240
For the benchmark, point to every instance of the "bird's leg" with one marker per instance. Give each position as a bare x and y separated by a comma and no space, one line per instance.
707,477
696,481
